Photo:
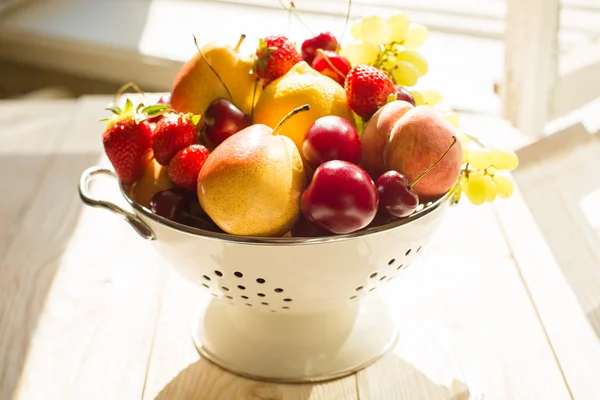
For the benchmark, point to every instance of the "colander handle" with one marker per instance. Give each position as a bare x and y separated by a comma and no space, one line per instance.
84,182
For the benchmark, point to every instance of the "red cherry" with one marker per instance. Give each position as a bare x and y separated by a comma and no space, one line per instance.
405,95
341,197
325,41
395,196
331,64
331,138
223,119
171,203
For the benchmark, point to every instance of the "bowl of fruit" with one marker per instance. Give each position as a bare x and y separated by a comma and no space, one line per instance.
290,184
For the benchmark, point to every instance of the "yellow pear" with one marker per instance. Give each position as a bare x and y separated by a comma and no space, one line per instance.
301,85
251,184
155,178
216,70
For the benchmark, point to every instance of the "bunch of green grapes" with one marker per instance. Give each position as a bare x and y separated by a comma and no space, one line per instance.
484,175
391,45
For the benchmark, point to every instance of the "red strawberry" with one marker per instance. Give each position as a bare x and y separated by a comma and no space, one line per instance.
172,134
276,56
127,142
186,164
367,89
325,41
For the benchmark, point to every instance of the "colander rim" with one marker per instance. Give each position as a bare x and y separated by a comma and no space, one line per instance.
258,240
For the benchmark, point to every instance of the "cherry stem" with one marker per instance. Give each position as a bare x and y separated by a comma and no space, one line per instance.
295,111
345,27
337,71
212,69
126,86
291,10
256,80
239,43
412,184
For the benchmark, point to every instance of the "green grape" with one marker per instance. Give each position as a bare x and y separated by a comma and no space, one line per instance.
476,188
356,30
405,74
398,24
491,189
431,97
418,97
361,53
375,30
504,185
465,154
451,117
416,59
480,158
416,36
504,159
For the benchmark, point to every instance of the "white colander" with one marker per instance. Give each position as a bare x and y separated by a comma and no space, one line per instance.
287,309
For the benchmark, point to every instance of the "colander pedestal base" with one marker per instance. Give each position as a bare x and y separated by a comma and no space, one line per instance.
294,347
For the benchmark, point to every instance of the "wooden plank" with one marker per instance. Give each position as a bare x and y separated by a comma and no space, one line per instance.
177,372
467,326
558,249
27,147
578,79
530,65
79,290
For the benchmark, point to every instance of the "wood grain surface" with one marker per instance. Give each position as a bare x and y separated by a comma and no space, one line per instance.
88,310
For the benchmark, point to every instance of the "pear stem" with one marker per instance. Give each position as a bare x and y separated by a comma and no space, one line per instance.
337,71
212,69
345,27
295,111
412,184
239,43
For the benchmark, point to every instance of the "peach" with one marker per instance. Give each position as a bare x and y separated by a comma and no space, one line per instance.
376,135
416,142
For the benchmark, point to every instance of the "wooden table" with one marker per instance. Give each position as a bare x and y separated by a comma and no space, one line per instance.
89,311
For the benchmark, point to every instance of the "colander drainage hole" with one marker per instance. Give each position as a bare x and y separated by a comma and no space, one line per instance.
370,290
278,290
285,307
359,288
206,286
419,249
407,252
353,297
249,305
218,273
238,274
229,297
382,278
399,267
261,281
206,277
393,260
264,304
241,287
288,300
260,294
373,275
244,297
215,295
225,288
